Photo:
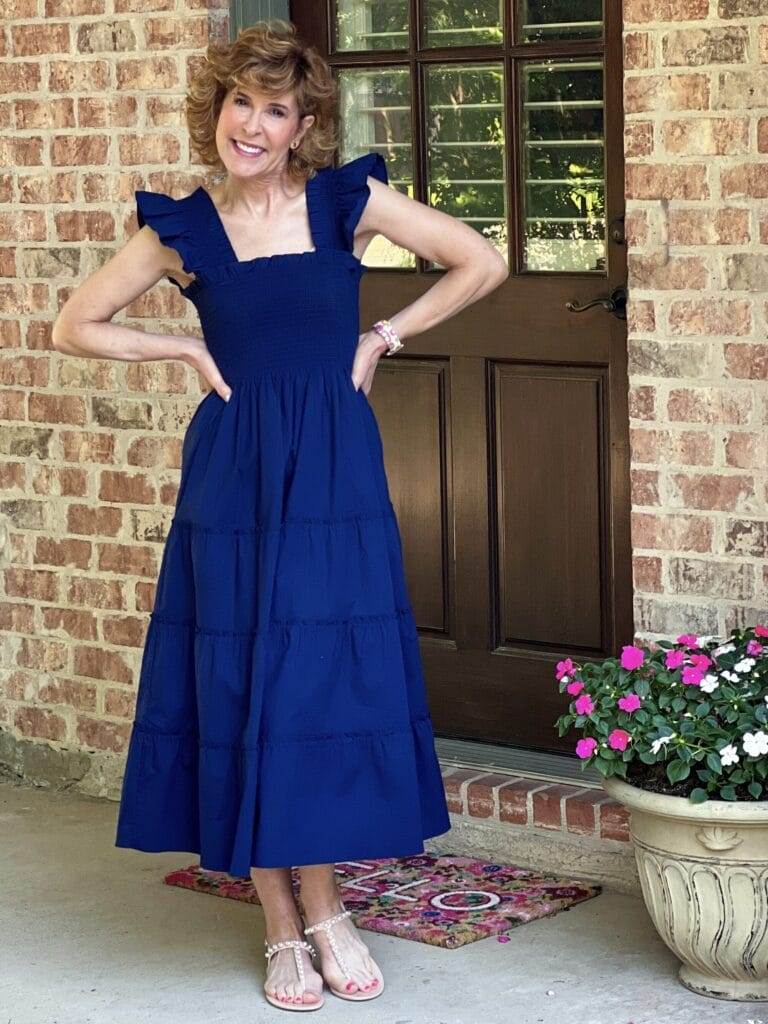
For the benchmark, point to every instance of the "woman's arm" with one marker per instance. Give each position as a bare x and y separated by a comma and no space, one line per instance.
83,328
474,267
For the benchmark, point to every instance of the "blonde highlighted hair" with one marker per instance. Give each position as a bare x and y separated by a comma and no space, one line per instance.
266,57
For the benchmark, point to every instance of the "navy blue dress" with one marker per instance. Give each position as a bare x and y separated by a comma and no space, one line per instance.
281,714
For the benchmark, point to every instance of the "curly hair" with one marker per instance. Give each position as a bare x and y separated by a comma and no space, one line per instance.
267,57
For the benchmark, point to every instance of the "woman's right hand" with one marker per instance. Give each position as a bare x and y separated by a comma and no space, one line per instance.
196,354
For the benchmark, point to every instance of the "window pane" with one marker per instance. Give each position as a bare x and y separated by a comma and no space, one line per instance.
465,146
461,24
563,165
363,25
375,113
560,19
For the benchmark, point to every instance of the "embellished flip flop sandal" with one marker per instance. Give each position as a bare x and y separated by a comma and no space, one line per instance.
327,926
295,945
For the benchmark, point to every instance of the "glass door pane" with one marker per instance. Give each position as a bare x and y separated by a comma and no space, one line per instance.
560,19
375,112
465,146
362,25
461,24
562,143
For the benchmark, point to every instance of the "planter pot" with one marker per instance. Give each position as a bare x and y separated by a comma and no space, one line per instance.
704,875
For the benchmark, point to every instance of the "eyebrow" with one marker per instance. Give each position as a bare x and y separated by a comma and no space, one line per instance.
273,103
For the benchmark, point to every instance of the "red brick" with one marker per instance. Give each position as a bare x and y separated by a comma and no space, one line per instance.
614,821
480,801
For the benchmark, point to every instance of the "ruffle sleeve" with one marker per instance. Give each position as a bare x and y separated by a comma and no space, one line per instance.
352,191
170,219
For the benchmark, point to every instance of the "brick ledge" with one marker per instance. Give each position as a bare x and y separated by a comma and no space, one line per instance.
535,803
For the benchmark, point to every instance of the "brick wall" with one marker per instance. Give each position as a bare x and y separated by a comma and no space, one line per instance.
696,104
91,108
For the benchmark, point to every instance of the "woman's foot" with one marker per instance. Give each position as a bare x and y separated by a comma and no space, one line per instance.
283,981
362,971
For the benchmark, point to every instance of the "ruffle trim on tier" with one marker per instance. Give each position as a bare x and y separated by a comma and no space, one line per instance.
399,615
322,800
362,736
342,520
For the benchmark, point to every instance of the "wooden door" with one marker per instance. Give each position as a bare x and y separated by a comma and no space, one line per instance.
505,429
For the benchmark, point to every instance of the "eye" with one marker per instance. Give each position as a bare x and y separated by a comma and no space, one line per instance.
238,98
278,110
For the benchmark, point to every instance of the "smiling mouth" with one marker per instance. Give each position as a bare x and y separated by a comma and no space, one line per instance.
245,149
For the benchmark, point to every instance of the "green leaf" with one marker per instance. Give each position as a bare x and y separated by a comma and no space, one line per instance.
755,789
677,771
698,795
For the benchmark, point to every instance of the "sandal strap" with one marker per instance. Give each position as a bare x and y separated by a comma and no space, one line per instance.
327,926
295,944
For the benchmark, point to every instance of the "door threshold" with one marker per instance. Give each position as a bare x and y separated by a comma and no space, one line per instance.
516,760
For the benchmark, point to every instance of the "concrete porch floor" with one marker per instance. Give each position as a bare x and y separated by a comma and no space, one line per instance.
90,935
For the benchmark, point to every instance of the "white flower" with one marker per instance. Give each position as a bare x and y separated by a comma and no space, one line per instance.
706,639
755,743
724,649
728,755
730,676
565,679
659,743
709,683
744,665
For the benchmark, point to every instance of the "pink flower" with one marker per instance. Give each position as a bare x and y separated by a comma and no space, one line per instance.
688,640
629,703
632,657
585,748
753,647
692,676
675,659
701,661
584,705
619,739
564,668
761,630
575,687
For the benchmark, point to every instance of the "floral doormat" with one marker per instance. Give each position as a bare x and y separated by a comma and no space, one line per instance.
444,901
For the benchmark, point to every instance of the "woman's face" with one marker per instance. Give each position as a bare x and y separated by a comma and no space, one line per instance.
254,131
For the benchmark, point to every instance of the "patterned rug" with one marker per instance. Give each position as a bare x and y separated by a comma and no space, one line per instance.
444,901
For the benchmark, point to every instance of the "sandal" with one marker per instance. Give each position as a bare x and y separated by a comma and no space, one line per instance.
295,945
326,926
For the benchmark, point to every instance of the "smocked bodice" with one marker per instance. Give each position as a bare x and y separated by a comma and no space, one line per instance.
273,312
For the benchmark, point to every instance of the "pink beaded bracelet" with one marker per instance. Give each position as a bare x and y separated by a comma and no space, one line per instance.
389,334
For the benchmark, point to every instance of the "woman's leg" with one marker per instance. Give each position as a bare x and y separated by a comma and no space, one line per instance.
283,921
321,899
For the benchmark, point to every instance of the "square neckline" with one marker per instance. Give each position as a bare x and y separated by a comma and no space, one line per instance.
222,232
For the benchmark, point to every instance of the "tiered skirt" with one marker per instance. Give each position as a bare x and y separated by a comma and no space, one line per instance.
281,714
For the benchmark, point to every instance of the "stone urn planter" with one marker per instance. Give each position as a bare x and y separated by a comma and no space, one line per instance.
679,732
704,875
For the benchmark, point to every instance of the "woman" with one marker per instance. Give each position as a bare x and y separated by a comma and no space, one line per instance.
281,717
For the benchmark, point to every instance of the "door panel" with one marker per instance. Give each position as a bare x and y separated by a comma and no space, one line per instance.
505,429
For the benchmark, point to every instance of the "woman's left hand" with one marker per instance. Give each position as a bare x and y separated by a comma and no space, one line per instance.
370,347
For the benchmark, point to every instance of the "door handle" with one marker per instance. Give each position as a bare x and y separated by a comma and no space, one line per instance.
615,303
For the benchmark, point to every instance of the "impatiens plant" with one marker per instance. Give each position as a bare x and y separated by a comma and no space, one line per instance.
688,718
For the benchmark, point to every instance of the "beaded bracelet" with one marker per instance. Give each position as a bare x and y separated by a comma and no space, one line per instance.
389,334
